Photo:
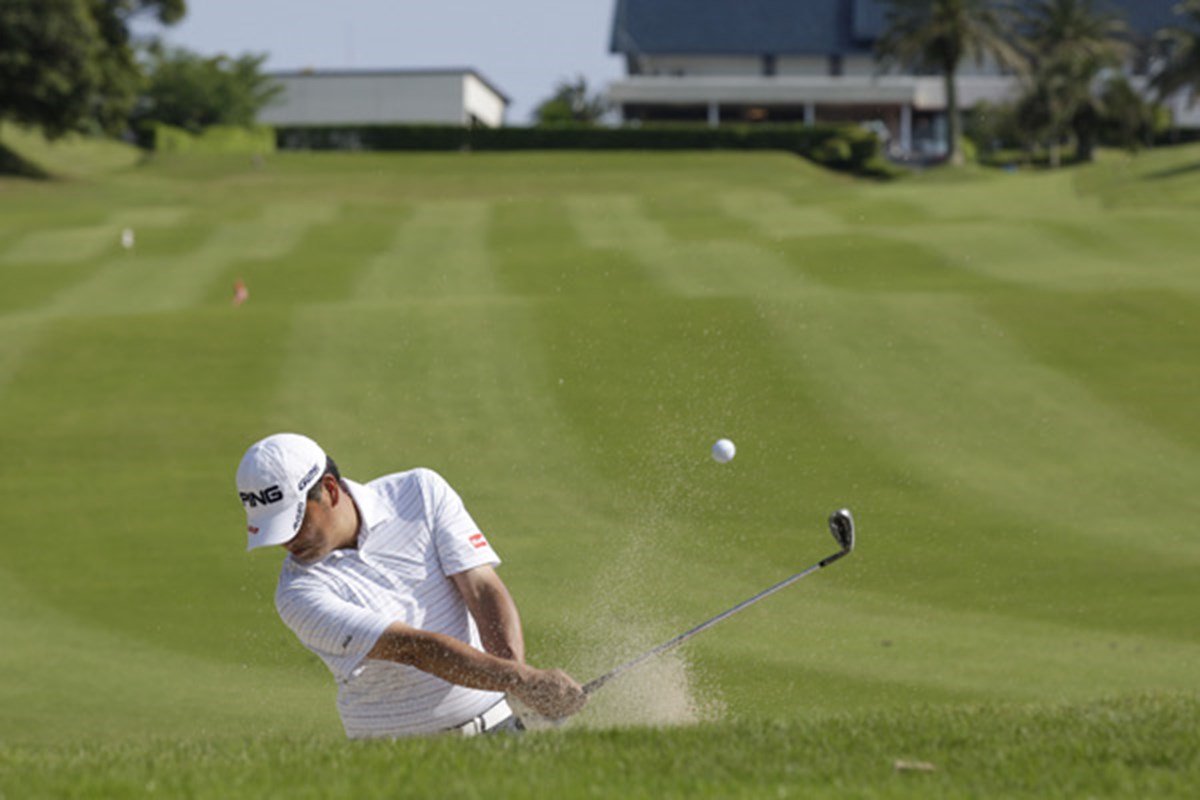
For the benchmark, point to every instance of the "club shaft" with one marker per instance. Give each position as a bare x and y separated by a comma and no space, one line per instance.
595,684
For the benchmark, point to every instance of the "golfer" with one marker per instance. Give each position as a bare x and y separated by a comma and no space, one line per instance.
393,585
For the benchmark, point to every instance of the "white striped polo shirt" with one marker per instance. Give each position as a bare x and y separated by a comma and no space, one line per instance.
414,533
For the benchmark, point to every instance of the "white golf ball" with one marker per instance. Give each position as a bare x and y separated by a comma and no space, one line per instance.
723,451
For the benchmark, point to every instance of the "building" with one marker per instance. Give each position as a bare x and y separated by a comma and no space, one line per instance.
801,60
381,97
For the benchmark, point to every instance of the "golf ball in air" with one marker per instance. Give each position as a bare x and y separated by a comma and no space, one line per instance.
723,451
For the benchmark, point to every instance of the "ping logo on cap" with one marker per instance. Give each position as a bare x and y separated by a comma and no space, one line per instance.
272,494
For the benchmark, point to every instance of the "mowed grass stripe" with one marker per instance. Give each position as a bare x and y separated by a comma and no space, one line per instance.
990,196
945,387
1048,255
72,244
1135,348
775,216
325,263
894,647
440,251
1050,483
159,277
541,252
1041,231
140,506
686,268
96,683
41,262
64,246
133,285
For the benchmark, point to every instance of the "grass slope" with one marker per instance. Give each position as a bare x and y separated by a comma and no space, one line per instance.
1134,747
996,373
72,156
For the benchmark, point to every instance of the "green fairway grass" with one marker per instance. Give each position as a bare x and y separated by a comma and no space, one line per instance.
1136,747
997,374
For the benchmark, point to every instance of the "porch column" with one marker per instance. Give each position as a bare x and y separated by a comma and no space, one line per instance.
906,128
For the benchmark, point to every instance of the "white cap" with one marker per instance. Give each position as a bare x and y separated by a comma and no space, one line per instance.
273,481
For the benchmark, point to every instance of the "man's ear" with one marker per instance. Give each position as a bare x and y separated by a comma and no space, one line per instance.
332,488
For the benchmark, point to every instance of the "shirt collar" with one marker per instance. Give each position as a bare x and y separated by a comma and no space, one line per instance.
372,508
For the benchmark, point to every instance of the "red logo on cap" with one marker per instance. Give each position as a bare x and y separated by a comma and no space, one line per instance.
252,529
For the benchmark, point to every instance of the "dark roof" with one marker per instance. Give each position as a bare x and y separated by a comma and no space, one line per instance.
1146,16
789,27
731,27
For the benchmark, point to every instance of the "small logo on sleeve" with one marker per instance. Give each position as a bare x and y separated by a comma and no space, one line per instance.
478,542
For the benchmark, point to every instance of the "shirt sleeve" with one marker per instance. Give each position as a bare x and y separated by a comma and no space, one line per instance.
341,633
460,544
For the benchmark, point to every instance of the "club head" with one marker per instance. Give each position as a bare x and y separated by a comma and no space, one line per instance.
841,525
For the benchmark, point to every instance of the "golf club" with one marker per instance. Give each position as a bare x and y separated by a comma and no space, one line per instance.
841,525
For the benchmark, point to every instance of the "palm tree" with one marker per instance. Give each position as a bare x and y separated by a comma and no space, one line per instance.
938,34
1182,43
1069,45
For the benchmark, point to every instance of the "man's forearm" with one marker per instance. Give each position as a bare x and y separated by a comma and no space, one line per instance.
552,693
449,659
500,625
495,612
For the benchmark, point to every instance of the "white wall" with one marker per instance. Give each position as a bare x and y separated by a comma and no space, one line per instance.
859,65
381,97
803,65
480,102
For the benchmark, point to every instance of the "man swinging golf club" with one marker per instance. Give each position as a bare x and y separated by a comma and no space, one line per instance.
393,585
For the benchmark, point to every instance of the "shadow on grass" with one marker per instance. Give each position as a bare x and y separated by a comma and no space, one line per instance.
1173,172
12,164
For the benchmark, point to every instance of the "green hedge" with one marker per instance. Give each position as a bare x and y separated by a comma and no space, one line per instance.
163,138
843,147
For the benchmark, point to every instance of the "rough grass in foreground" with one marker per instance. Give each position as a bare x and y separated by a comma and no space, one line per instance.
1138,746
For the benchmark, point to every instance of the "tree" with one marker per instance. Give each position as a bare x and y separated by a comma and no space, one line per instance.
937,35
1182,46
571,103
1074,50
68,65
1129,120
191,91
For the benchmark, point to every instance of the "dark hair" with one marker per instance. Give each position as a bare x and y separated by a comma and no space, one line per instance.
331,468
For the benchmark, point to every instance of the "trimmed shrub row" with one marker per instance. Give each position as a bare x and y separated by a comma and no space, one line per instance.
843,147
163,138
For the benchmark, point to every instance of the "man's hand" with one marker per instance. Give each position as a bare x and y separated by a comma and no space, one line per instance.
550,692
